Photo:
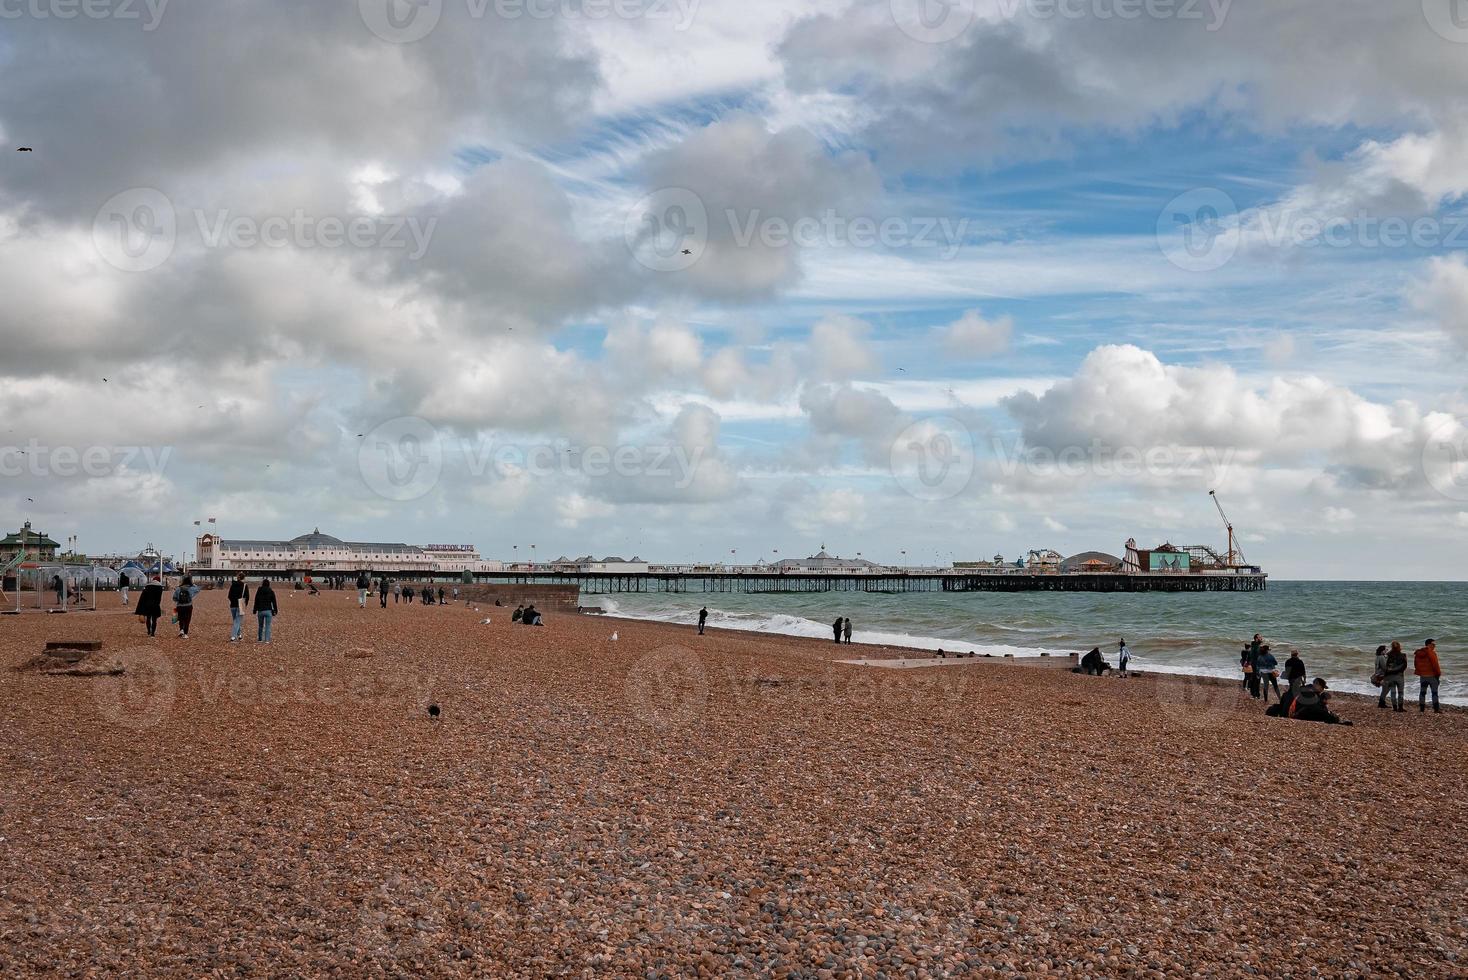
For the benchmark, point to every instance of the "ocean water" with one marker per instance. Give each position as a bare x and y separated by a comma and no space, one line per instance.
1336,626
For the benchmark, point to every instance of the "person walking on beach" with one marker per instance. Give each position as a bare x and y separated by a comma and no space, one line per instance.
397,593
239,593
122,586
150,605
1123,657
363,584
1265,670
846,630
1295,672
382,592
703,617
440,595
408,594
836,628
1429,670
266,609
183,605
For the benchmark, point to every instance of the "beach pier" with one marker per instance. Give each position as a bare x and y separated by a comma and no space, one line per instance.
611,583
755,582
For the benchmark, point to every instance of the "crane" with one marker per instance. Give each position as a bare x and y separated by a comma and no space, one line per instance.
1235,554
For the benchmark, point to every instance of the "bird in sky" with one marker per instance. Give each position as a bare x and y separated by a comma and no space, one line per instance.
24,149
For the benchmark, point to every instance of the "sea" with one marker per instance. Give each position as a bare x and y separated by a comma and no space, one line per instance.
1336,626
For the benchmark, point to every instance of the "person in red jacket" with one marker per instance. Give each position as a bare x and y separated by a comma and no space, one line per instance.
1430,672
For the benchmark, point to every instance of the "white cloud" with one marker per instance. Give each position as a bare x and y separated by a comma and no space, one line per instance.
973,336
1443,295
729,166
839,350
574,509
822,511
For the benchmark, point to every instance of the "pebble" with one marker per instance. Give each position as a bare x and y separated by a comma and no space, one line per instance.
648,808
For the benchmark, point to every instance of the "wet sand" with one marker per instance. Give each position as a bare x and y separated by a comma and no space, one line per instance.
672,805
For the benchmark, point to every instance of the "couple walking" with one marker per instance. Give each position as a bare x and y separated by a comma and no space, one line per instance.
841,629
265,608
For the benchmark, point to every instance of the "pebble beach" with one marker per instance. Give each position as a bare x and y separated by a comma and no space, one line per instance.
664,804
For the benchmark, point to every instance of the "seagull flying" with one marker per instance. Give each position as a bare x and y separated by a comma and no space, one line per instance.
24,149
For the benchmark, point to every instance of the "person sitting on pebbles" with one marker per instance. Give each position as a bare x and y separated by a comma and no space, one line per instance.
1094,663
1312,704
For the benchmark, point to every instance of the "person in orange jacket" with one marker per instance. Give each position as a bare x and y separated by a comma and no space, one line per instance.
1430,672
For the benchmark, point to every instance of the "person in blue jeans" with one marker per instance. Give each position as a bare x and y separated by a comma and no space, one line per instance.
239,593
266,609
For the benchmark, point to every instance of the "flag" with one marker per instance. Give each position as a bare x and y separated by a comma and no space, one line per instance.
213,521
196,524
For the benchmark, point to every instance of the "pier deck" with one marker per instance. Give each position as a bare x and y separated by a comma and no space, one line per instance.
609,583
602,583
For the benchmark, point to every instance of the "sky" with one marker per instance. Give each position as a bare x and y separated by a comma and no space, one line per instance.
924,280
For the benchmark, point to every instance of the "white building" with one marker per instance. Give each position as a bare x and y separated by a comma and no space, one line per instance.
826,563
319,552
611,563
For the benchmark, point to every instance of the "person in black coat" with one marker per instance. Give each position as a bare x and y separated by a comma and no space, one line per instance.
150,605
266,609
1094,663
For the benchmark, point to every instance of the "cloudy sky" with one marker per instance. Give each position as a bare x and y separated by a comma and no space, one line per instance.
681,278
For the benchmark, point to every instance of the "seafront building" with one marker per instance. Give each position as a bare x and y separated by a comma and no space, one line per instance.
36,545
323,553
